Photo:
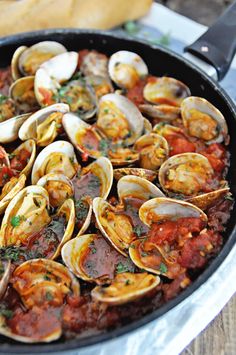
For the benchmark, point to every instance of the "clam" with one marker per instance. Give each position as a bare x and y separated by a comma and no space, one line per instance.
80,97
204,201
5,273
57,157
92,249
101,85
30,59
22,92
165,90
203,120
153,151
165,129
94,64
58,186
10,189
138,188
143,173
45,88
27,213
9,129
162,112
44,125
156,257
186,174
126,69
91,142
32,286
43,286
121,225
94,180
7,108
161,209
15,72
22,158
126,287
61,67
119,119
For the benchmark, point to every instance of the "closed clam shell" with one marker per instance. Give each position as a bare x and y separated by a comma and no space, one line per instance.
9,129
153,151
126,287
119,118
57,157
163,112
29,146
58,186
165,90
126,69
28,210
163,208
44,125
149,175
10,189
185,173
203,120
32,57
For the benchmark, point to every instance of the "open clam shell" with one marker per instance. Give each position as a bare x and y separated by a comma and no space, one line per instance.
153,151
163,208
95,180
10,189
32,286
119,119
31,58
203,120
116,227
58,186
163,112
95,64
204,201
15,72
126,69
79,253
44,125
27,213
22,92
126,287
62,66
4,276
137,187
149,175
67,211
45,88
81,98
185,173
165,90
9,129
57,157
25,151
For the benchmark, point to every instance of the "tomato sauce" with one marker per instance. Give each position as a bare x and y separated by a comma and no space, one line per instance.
18,162
101,260
135,94
86,185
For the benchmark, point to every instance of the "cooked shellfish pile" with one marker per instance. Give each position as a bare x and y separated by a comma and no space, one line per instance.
111,180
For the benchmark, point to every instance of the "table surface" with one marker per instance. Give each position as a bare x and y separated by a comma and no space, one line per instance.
219,337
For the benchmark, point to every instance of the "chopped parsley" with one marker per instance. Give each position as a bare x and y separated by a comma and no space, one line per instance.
163,268
143,254
138,230
94,250
106,110
120,268
6,313
103,146
15,221
47,278
3,98
131,27
127,282
10,253
81,209
49,296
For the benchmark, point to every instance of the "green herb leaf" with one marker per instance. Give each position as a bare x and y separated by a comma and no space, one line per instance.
49,296
164,40
120,268
138,230
15,221
131,27
3,98
163,268
6,313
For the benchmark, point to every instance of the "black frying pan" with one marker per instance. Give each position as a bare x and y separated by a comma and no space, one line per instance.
221,43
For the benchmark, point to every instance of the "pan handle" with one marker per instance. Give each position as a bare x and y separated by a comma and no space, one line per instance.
217,46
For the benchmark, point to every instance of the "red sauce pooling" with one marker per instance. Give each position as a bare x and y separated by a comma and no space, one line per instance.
86,185
19,162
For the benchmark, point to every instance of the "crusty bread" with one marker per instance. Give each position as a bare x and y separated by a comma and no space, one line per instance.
28,15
